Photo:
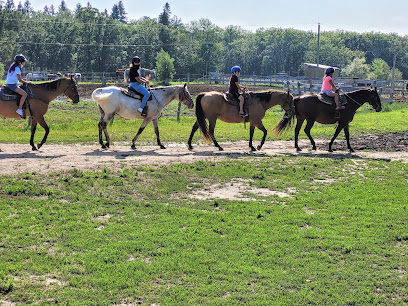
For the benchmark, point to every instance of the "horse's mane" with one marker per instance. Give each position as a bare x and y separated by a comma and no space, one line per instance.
263,96
51,85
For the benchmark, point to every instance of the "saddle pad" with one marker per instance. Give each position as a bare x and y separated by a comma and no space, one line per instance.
8,95
233,101
130,92
330,100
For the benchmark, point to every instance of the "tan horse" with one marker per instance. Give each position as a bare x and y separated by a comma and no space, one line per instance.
40,96
213,106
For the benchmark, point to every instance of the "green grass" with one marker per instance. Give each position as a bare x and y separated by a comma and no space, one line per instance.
79,124
137,236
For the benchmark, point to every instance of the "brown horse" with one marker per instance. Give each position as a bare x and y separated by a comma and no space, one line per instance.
40,95
213,106
309,108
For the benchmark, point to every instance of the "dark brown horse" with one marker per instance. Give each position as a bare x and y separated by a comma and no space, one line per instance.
40,96
311,109
213,106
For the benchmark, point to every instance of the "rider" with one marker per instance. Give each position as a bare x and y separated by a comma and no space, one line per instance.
328,87
234,89
136,81
13,77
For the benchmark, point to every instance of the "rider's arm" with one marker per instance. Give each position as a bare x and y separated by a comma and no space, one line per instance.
142,80
239,86
332,85
21,79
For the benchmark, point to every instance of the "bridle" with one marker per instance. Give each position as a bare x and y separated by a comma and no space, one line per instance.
360,104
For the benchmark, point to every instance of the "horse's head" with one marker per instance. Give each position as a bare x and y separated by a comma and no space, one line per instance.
289,105
185,97
375,100
71,90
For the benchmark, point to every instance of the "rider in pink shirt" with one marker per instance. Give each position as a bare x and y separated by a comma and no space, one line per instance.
328,87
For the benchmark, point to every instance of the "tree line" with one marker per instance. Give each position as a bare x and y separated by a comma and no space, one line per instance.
88,40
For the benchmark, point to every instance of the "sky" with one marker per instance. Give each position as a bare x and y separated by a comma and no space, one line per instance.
347,15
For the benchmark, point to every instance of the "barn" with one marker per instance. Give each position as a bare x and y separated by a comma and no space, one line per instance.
310,70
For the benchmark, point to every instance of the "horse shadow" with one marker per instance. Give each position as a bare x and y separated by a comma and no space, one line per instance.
28,154
335,156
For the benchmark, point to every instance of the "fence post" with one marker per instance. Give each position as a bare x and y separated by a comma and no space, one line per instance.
298,85
178,111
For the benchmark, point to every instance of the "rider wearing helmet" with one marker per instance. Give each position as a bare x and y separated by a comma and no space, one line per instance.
328,87
137,81
234,89
13,77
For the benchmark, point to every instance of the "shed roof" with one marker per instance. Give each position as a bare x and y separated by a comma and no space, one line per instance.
320,66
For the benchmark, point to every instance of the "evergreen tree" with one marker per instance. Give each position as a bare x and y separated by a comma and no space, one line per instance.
164,17
118,12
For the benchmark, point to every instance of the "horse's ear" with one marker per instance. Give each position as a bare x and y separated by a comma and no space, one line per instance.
185,85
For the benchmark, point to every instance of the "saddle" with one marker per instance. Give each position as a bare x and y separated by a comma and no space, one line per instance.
330,100
234,101
130,92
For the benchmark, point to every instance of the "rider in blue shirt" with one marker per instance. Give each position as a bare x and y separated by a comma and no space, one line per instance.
13,77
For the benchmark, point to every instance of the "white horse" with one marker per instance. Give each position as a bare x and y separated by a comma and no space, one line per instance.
112,100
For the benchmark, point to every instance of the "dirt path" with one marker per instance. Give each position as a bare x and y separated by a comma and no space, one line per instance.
18,158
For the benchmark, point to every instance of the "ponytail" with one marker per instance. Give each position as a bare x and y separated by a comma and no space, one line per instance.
13,67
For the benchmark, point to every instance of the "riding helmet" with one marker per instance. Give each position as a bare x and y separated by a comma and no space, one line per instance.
136,59
235,69
19,58
329,70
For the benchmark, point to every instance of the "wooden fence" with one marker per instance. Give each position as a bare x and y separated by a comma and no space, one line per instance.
301,85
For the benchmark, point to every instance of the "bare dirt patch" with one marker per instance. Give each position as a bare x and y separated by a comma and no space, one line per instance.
18,158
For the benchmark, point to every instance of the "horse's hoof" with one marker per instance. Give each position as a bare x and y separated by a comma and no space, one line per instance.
220,149
190,148
331,150
34,148
259,147
107,145
351,150
253,149
162,147
133,147
298,149
314,148
39,145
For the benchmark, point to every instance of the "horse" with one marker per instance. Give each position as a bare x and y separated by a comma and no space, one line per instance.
143,73
310,108
112,100
39,97
212,106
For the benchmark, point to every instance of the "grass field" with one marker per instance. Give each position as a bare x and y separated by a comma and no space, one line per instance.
337,235
327,230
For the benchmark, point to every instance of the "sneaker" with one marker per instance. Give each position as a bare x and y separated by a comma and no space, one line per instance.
20,112
140,109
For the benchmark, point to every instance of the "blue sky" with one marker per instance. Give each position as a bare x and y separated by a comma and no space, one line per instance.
348,15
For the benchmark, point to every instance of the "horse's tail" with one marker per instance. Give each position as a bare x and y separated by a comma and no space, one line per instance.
285,123
98,94
201,118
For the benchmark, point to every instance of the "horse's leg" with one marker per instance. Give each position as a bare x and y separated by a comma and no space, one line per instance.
102,126
211,128
33,128
42,122
336,133
251,135
142,127
308,127
156,130
347,134
265,132
299,123
193,130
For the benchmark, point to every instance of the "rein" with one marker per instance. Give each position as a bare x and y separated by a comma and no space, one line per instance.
165,107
